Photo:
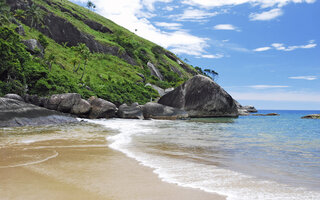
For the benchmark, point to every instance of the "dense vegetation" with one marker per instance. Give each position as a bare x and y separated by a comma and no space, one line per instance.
60,67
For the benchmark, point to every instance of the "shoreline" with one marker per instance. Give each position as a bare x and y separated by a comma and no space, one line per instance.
86,169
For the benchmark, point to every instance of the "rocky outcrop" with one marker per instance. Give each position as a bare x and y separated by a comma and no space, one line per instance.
250,109
14,96
245,110
268,114
62,31
67,103
33,46
97,27
312,116
154,71
130,112
157,88
183,65
159,111
201,97
18,113
101,108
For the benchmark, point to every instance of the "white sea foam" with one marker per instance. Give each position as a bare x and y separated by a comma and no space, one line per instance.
209,178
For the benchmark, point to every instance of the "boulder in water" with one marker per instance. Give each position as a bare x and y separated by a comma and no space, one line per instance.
201,97
159,111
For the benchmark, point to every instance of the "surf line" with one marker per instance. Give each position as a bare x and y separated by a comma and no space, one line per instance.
32,163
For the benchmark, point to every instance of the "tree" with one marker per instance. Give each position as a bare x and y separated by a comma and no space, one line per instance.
91,5
50,60
85,54
4,13
211,73
35,14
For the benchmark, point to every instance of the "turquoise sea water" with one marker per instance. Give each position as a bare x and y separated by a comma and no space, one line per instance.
250,157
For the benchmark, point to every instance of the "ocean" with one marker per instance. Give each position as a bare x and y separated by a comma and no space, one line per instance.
245,158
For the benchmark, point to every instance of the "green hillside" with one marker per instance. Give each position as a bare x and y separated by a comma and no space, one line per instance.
83,52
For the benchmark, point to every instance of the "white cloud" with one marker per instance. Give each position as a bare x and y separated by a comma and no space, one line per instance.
229,27
277,96
131,14
171,26
282,47
309,78
267,15
213,56
195,15
261,3
267,86
262,49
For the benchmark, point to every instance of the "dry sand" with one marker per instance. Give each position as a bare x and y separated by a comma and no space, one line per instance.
82,169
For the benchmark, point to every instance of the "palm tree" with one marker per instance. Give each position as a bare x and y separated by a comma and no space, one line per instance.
35,14
85,54
91,5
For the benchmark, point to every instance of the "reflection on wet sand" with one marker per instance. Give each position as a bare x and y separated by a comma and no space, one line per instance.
74,162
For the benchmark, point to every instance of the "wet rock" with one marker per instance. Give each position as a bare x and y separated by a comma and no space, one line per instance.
159,111
130,112
101,108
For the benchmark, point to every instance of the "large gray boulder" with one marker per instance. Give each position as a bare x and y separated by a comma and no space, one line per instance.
13,96
201,97
18,113
134,111
159,111
101,108
81,109
63,102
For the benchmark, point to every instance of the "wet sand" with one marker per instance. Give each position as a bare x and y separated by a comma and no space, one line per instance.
81,168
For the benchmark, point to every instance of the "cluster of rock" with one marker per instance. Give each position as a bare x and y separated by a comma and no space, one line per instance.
197,97
312,116
245,110
15,112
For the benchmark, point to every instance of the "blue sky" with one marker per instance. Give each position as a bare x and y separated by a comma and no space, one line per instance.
265,51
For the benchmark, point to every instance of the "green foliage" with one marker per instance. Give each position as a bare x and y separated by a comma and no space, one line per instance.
43,41
63,69
13,59
35,14
19,14
5,15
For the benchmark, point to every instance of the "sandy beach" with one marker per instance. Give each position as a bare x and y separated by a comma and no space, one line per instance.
80,168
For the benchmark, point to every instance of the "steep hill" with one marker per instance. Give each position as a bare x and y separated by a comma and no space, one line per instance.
80,52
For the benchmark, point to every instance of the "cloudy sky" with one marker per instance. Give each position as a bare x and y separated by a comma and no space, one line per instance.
266,51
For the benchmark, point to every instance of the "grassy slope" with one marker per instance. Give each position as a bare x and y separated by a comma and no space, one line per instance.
106,76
